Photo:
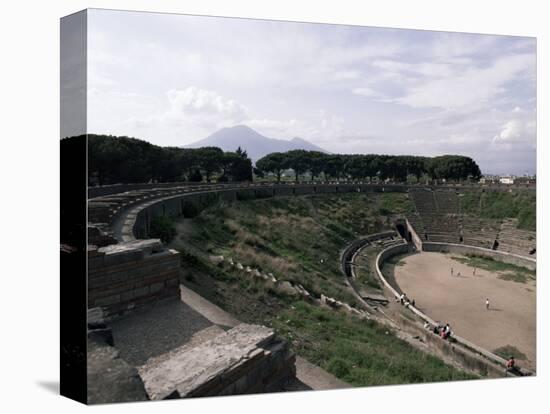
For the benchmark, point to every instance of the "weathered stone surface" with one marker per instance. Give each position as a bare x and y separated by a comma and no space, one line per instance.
110,378
130,274
146,246
217,260
242,359
287,288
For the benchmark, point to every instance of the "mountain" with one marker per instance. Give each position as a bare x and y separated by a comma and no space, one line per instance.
255,144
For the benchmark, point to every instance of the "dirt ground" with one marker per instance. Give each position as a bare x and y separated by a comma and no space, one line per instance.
460,301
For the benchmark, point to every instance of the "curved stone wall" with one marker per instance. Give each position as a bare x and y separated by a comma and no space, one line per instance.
135,222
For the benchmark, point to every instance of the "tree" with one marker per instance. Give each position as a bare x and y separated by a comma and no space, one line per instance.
274,163
298,161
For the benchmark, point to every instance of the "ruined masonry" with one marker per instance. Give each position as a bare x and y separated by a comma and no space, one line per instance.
141,276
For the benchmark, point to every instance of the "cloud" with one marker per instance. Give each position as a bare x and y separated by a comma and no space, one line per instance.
517,131
471,87
194,101
345,88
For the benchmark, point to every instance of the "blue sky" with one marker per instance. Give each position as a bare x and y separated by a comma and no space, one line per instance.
174,79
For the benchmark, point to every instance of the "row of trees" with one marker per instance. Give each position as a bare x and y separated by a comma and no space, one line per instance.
129,160
393,167
122,159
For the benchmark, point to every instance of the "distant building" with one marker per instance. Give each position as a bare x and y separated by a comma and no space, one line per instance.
507,180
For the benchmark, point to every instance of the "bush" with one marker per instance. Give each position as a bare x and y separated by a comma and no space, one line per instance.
162,228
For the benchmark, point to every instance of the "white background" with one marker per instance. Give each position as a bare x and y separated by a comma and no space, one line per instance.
29,210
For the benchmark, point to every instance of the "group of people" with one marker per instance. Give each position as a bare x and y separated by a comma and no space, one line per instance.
444,331
404,300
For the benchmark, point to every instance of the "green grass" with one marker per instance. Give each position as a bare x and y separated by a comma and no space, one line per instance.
508,351
300,239
507,271
360,352
295,238
500,205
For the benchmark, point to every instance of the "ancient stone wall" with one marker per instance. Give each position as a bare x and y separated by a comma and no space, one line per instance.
125,276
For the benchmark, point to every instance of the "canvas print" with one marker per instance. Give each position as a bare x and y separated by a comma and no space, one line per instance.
275,206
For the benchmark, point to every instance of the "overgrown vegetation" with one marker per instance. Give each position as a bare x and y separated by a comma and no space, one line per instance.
520,205
300,239
360,352
506,271
295,238
510,351
162,227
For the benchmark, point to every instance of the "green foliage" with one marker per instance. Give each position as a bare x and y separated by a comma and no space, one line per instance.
508,351
394,167
521,205
360,352
507,271
162,227
453,167
129,160
298,238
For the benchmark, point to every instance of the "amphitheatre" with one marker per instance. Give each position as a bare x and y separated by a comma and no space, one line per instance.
169,320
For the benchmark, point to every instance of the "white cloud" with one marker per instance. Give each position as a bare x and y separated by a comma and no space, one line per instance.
517,131
473,87
195,101
383,90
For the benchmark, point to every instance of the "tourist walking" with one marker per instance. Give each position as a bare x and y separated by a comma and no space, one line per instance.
487,303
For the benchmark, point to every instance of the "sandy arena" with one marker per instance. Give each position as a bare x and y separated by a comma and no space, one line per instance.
460,301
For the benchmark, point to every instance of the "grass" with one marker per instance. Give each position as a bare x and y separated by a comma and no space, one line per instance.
507,271
295,238
360,352
300,239
500,205
508,351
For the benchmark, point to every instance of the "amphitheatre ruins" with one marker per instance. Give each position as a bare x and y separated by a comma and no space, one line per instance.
161,339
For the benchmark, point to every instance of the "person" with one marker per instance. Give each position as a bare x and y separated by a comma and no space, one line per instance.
458,274
487,303
474,271
447,331
413,303
402,298
452,271
510,364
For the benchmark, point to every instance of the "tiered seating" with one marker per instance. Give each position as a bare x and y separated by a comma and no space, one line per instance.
103,209
416,222
514,240
424,202
447,202
437,216
480,232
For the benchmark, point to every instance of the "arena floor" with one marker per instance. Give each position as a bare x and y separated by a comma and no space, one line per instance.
460,301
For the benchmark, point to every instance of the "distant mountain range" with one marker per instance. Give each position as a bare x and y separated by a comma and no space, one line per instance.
255,144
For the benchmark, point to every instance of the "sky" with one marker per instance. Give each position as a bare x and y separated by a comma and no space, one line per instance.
174,79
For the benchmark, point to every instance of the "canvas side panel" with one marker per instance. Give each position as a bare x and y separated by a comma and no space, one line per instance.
73,181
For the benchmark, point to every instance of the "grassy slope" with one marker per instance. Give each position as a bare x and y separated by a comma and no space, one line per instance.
500,205
290,237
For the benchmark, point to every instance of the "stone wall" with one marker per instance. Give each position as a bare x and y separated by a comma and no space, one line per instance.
125,276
